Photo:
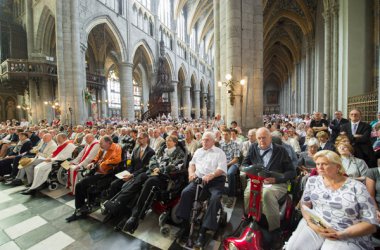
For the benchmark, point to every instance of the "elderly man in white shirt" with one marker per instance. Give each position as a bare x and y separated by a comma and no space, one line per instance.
210,164
84,158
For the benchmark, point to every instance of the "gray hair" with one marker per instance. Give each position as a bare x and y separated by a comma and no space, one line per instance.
313,142
209,134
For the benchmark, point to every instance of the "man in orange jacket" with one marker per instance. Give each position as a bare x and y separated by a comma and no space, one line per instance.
108,157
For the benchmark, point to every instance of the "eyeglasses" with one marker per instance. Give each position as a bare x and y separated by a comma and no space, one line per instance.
140,138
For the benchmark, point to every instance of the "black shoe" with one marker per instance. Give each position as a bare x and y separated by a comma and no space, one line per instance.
15,182
183,234
84,210
29,192
200,241
107,218
28,185
120,226
276,240
131,225
112,207
75,217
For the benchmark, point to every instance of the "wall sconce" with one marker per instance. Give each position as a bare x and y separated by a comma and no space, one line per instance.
230,84
26,108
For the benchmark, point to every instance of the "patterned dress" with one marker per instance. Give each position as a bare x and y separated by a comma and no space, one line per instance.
346,206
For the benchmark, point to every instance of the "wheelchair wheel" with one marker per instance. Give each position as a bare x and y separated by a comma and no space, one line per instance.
62,176
173,215
165,231
53,186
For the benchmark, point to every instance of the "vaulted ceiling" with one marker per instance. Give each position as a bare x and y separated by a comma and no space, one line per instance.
287,26
200,15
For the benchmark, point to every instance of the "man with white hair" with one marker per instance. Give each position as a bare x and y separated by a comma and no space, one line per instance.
42,170
210,164
274,158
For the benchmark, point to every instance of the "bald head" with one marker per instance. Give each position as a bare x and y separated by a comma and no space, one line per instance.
264,138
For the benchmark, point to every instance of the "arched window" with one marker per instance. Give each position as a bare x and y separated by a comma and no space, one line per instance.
193,36
113,89
164,12
137,93
181,26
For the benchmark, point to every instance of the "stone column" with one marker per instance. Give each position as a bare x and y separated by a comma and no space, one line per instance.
33,100
197,103
234,59
211,105
335,54
217,74
19,111
126,91
104,105
46,96
377,47
222,60
187,101
29,26
174,100
327,70
204,104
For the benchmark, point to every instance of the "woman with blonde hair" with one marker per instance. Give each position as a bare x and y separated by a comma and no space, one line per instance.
354,167
344,208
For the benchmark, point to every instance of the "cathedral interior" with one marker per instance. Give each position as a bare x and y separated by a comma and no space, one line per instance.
88,60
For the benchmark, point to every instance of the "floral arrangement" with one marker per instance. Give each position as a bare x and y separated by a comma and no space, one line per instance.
87,96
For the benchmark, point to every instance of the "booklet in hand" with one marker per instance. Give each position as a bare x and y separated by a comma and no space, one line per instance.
316,218
122,174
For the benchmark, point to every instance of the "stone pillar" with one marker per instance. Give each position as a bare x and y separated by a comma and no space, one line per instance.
377,47
33,100
234,59
187,102
126,91
204,104
174,100
217,41
46,95
20,111
29,26
104,105
222,59
335,54
197,103
327,70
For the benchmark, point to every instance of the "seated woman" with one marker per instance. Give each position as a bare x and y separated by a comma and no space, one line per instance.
354,167
306,160
373,185
166,161
344,203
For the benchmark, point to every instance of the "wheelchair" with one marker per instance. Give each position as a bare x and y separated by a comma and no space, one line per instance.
58,175
198,212
94,192
163,202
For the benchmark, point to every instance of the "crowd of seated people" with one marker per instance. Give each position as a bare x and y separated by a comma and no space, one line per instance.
150,151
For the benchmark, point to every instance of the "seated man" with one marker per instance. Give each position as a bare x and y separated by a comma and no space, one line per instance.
274,158
210,164
43,149
84,158
10,140
22,147
167,161
231,149
140,158
108,157
40,172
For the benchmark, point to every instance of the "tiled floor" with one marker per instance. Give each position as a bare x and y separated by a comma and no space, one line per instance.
38,222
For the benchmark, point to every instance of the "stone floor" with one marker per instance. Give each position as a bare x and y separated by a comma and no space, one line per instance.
38,222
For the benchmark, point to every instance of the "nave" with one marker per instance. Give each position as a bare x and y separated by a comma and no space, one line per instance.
38,222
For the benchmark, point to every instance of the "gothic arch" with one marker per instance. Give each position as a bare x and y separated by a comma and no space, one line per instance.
147,52
45,31
103,19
